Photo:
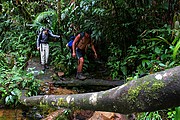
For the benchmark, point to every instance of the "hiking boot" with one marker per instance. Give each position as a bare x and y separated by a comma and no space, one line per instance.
46,66
80,76
43,68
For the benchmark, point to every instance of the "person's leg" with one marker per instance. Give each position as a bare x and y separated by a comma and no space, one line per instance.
80,57
80,64
46,55
42,54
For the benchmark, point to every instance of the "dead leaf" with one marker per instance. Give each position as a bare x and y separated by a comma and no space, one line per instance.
60,74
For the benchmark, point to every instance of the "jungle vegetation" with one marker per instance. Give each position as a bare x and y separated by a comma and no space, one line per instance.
132,37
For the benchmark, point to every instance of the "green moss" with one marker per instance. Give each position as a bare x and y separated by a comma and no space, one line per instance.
147,86
84,100
45,107
157,85
133,93
53,103
62,102
105,93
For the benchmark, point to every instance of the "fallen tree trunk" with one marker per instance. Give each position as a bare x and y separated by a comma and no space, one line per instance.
150,93
89,83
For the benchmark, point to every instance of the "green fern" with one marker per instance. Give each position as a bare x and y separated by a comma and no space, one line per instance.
158,38
177,115
176,50
46,19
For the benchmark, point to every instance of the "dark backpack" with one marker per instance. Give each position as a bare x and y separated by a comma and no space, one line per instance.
40,33
72,37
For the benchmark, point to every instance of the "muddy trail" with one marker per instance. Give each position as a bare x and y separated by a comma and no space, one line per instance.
36,67
48,74
46,78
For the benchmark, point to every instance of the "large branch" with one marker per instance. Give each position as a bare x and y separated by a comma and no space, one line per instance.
150,93
89,83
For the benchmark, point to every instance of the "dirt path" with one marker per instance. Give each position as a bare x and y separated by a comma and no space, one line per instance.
34,64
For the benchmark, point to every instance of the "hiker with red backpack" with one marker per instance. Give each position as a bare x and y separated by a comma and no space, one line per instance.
79,45
43,46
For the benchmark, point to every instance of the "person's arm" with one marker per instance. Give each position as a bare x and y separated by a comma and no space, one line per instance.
52,35
38,41
94,50
74,45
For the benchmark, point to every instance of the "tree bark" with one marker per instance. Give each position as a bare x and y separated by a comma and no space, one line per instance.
89,83
59,12
150,93
59,22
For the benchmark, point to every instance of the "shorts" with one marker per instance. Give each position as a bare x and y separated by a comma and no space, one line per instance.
80,53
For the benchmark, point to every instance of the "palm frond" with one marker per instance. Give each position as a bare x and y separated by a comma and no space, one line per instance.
158,38
176,49
47,19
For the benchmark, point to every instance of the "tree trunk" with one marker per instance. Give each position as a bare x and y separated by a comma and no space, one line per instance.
89,83
150,93
59,22
59,12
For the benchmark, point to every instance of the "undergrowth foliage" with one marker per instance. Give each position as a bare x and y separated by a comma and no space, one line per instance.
14,80
154,51
16,47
